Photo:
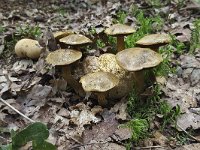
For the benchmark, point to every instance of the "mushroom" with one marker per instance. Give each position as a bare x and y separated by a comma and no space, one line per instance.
100,83
91,64
63,58
120,30
28,48
137,59
75,40
154,41
60,34
107,63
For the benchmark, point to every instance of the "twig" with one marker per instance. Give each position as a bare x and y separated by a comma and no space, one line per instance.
149,147
16,110
194,138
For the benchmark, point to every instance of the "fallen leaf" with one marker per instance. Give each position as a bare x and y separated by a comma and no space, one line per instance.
189,120
195,146
102,131
39,92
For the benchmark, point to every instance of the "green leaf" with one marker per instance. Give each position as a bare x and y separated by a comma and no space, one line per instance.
34,132
44,145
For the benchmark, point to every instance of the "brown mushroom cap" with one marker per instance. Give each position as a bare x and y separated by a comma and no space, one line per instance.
99,81
119,29
135,59
60,34
154,39
75,39
63,57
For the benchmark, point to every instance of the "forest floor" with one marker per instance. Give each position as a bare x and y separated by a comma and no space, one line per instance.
169,120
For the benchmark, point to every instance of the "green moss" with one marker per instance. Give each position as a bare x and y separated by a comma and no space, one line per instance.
195,37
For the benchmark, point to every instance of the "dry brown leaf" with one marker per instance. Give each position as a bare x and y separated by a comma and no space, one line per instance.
195,146
102,131
189,120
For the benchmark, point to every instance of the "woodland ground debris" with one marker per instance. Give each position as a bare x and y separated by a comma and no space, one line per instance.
35,89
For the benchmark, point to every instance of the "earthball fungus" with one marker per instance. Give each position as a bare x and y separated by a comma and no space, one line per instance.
63,58
108,63
28,48
120,30
154,41
100,83
137,59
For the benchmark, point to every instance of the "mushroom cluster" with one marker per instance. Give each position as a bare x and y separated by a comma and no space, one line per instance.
108,76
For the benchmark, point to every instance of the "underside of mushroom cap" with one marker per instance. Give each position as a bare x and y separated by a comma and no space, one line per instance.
119,29
63,57
99,81
75,39
154,39
135,59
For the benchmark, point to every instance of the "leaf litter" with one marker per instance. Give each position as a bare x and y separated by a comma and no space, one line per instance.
36,90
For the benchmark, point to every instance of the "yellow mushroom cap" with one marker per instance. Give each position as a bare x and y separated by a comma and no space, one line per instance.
75,39
119,29
108,63
28,48
63,57
99,81
134,59
154,39
60,34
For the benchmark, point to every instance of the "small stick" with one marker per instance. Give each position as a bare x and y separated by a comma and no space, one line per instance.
147,147
194,138
16,110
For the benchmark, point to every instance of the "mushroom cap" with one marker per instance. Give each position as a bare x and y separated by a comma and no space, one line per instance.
91,64
135,59
119,29
108,63
28,48
75,39
60,34
154,39
99,81
63,57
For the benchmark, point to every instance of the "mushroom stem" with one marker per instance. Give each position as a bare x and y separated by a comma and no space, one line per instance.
153,47
66,74
101,98
120,43
139,81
